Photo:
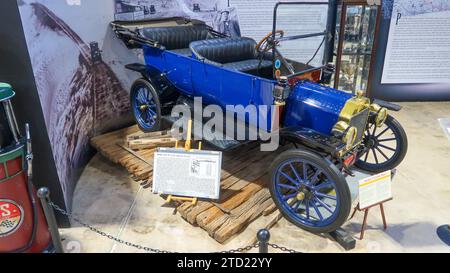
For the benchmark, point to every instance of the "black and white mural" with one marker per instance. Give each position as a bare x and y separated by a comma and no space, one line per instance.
80,93
79,69
216,13
79,64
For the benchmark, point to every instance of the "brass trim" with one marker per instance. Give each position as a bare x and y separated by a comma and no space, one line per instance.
381,114
301,196
351,108
350,137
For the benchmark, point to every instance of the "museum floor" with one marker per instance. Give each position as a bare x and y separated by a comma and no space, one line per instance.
108,199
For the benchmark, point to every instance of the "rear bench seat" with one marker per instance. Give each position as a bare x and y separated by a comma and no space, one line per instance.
234,53
177,39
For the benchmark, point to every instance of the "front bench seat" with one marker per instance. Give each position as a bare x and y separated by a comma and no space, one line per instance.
233,53
177,38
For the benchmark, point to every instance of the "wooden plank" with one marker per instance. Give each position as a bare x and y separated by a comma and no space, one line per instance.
244,161
239,171
153,135
247,205
204,218
190,213
135,155
142,144
228,188
235,155
243,215
244,193
270,210
248,175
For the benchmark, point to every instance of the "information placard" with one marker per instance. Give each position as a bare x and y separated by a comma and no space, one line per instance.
375,189
418,48
188,174
445,124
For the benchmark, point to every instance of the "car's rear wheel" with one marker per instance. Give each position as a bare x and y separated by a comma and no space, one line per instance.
386,147
309,191
146,106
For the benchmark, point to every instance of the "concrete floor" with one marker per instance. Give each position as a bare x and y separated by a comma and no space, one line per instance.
109,200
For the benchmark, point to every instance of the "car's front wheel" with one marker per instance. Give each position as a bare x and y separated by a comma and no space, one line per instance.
385,147
309,191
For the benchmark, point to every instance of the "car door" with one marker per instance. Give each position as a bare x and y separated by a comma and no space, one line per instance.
207,82
179,71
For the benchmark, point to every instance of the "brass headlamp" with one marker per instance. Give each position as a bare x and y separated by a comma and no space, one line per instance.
349,133
381,114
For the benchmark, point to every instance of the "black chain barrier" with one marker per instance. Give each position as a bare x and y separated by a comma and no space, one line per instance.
155,250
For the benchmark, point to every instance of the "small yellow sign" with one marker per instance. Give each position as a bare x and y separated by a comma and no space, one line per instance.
375,189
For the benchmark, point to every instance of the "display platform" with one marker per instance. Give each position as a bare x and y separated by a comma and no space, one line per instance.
244,195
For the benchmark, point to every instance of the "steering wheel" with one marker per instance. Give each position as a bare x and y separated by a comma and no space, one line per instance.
267,44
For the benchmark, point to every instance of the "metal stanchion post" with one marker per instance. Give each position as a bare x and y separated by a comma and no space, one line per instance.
44,196
263,239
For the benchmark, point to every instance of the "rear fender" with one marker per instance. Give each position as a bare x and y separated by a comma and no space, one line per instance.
148,72
165,89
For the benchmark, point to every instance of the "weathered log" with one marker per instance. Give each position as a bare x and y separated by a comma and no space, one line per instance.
244,194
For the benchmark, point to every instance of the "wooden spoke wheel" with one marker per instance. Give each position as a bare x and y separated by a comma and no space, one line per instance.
146,106
310,191
385,147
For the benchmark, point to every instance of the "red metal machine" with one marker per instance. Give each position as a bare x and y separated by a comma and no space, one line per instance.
23,227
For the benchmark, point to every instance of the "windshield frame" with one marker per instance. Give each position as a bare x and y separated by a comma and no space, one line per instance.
327,33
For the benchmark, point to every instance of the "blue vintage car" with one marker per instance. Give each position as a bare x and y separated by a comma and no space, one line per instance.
331,129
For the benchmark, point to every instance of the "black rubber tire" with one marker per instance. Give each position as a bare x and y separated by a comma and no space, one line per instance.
135,87
334,173
397,158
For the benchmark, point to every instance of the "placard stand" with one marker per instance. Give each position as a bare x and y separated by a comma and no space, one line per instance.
187,148
171,198
366,214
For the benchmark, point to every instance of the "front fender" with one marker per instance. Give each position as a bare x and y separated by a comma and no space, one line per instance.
388,105
312,139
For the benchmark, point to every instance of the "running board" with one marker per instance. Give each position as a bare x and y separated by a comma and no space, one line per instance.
219,140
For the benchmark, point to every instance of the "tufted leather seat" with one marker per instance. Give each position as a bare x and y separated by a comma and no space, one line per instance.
177,39
183,51
248,65
233,53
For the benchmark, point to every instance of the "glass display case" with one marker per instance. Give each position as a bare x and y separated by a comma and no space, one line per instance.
354,45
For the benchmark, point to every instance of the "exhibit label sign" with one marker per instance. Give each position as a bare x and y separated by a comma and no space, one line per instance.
445,124
189,174
418,48
375,189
